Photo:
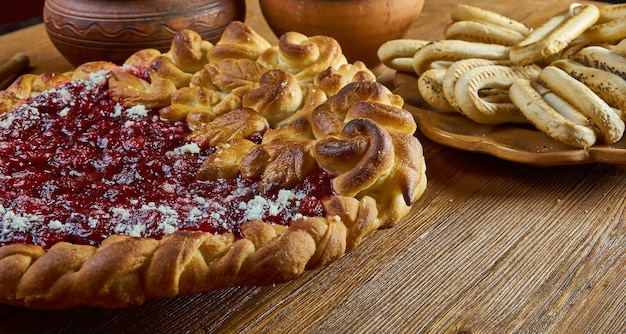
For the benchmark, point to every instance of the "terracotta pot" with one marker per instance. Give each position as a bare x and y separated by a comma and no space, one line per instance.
360,26
86,30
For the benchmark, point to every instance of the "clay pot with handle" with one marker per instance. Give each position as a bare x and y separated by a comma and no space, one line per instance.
112,30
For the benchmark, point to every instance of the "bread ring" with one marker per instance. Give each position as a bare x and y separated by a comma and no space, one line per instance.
476,31
546,117
612,12
608,32
453,50
586,101
462,12
398,54
554,35
429,85
562,106
610,27
454,72
608,86
602,58
469,85
620,48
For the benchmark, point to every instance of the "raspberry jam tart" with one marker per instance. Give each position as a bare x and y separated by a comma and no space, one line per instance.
77,166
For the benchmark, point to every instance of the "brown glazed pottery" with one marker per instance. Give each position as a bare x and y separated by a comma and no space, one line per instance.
112,30
360,26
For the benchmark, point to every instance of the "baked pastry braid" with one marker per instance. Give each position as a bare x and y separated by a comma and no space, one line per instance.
214,90
126,271
153,77
187,55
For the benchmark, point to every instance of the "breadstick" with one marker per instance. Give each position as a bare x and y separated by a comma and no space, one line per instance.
16,64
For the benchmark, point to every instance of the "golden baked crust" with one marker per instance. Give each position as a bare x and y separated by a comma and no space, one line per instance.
314,110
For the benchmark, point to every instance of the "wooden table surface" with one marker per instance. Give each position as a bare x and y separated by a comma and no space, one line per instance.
491,247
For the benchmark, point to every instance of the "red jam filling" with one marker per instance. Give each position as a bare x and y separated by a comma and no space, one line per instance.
76,166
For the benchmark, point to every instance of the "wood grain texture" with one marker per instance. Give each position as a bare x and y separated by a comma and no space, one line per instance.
492,246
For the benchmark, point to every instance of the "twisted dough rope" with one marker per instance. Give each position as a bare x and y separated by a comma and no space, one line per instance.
126,271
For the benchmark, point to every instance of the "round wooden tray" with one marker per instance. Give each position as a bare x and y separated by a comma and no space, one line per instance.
517,143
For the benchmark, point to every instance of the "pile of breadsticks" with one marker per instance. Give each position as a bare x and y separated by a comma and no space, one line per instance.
566,77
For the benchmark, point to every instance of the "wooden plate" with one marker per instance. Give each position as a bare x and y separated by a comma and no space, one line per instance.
517,143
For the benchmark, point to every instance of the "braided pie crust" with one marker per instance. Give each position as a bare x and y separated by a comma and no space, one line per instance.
314,109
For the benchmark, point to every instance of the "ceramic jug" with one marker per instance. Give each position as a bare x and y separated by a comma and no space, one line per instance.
112,30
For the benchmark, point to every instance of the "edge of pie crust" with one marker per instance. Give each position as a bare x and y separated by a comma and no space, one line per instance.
320,110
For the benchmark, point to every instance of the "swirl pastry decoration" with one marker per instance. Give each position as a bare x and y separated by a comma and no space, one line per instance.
566,77
303,56
314,112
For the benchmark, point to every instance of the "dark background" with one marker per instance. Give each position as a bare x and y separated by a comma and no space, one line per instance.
30,11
